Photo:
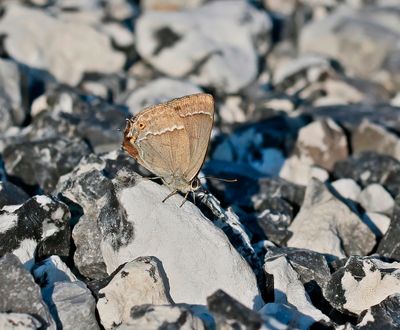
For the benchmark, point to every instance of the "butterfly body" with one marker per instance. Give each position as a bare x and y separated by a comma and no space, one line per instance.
171,139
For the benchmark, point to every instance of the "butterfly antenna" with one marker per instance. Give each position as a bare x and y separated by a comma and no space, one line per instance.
219,179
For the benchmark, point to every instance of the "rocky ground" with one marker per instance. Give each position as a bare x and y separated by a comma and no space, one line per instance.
307,95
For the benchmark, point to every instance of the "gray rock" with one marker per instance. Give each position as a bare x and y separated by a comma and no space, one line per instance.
19,292
120,35
381,223
175,45
11,194
139,282
84,44
372,137
370,167
158,91
161,316
67,112
340,33
43,162
383,315
19,321
326,225
13,112
289,292
120,10
74,305
48,234
70,301
389,245
374,198
362,283
231,314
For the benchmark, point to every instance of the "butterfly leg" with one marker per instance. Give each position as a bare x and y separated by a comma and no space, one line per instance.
185,200
172,193
154,177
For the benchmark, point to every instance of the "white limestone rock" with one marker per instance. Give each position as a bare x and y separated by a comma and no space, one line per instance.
375,198
198,43
66,50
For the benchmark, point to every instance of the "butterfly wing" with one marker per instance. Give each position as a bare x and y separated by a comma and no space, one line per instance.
197,114
171,139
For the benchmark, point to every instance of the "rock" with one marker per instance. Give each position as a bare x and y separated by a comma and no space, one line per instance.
120,10
279,188
13,112
389,245
383,315
158,91
175,46
84,44
311,267
372,137
120,35
351,116
321,143
139,282
231,111
159,316
74,305
11,194
344,30
298,172
362,283
369,167
70,301
71,114
380,223
19,321
49,232
231,314
171,5
274,216
347,188
43,162
289,292
326,225
20,292
128,211
374,198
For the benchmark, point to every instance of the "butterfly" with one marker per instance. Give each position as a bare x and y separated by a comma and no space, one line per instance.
171,140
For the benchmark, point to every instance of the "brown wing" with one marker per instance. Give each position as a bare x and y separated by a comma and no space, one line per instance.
171,139
197,114
159,137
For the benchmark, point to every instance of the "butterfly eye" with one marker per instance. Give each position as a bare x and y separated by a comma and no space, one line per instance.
141,125
195,184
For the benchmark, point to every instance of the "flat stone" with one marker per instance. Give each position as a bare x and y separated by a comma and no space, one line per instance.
374,198
326,225
21,24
